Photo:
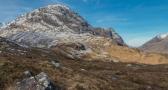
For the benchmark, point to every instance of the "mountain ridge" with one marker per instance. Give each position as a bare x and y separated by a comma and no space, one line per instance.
158,44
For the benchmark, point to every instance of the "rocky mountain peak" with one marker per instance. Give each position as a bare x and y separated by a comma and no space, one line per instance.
57,6
47,26
52,17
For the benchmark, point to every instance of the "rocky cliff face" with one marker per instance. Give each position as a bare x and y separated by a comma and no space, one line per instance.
109,33
47,26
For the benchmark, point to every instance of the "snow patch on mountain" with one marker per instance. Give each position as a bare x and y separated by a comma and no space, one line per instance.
162,36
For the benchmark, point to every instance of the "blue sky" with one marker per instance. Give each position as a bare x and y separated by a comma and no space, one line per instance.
136,21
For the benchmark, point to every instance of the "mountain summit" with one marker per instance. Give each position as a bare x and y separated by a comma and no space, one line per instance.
47,26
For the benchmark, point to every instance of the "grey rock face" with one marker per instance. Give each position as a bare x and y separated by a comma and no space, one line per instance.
38,82
109,33
34,39
5,43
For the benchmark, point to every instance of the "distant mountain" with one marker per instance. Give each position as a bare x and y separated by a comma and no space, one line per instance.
158,44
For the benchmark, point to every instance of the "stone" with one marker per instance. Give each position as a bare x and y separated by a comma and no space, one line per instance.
129,65
56,64
115,61
83,69
38,82
149,87
27,73
114,78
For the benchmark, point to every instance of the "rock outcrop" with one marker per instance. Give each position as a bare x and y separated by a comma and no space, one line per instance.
109,33
38,82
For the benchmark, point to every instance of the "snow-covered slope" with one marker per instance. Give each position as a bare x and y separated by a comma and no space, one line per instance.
158,44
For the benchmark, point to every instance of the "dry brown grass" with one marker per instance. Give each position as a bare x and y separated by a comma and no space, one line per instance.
81,74
104,50
126,54
93,74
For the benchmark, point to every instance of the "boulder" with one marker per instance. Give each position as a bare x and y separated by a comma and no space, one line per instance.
38,82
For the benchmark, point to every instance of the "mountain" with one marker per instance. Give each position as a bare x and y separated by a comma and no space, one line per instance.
47,26
158,44
60,29
56,26
54,47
